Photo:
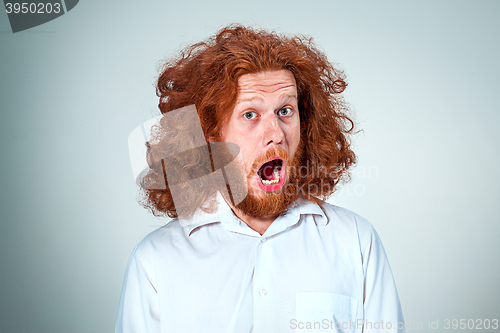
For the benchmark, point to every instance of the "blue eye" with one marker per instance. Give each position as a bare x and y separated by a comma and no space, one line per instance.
250,115
285,111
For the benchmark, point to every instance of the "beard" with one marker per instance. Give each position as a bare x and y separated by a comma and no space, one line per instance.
276,202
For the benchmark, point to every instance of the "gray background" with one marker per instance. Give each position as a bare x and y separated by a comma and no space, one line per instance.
423,80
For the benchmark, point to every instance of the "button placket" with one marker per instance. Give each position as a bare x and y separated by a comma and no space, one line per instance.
262,286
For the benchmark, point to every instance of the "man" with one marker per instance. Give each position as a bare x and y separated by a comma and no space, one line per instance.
281,259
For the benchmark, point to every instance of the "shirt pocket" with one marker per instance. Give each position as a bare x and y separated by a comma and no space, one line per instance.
325,312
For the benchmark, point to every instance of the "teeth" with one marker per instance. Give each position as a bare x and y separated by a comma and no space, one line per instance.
274,181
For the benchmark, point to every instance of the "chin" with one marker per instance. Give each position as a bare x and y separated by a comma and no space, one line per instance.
259,203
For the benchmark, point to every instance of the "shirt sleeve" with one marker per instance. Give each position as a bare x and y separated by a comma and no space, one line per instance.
382,309
139,308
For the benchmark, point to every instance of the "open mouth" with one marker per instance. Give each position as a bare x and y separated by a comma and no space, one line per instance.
272,174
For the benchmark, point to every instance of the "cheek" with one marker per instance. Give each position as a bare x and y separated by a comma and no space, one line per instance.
248,161
244,158
294,136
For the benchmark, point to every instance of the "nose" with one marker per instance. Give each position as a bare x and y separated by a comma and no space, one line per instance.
273,131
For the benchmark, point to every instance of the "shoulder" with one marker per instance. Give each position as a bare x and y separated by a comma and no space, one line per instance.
341,217
336,214
163,236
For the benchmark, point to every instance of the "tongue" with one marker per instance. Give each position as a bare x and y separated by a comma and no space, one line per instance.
267,170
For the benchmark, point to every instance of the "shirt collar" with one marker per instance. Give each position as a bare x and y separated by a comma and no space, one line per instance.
306,207
224,213
302,207
201,217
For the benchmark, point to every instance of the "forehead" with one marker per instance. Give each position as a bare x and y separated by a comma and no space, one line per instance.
263,84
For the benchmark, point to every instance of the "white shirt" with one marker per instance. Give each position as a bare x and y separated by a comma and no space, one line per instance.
318,268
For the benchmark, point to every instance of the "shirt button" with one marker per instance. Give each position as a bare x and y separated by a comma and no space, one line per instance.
263,292
263,240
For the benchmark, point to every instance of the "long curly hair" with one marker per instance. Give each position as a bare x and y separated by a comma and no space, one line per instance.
206,74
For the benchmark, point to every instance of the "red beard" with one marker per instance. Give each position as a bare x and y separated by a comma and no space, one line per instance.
276,202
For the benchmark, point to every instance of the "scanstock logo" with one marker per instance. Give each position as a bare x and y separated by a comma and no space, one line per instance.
29,14
188,162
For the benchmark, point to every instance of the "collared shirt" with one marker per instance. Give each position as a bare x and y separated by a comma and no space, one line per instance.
317,268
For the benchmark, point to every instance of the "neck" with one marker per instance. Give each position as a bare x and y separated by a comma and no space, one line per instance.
259,224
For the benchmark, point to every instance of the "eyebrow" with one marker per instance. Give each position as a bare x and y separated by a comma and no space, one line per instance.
254,98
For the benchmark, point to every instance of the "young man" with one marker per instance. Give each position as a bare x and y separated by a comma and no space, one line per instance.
281,258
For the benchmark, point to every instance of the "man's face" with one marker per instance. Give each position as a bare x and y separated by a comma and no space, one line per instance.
265,125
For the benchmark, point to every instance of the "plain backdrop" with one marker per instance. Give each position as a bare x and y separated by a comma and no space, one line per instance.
423,83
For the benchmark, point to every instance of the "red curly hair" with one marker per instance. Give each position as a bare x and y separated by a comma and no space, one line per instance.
206,74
